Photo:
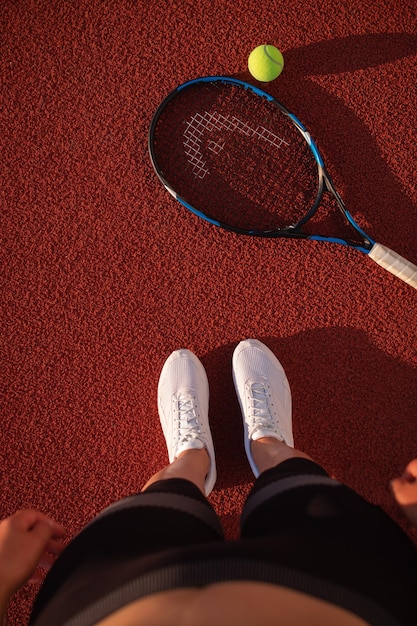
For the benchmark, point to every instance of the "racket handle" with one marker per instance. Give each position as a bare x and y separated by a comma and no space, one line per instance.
394,263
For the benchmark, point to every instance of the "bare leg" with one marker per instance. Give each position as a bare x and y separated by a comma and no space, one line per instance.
192,465
268,452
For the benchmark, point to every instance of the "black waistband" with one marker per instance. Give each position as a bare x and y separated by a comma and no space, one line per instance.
205,572
320,566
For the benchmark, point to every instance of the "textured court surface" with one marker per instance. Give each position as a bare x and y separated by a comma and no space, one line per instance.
104,274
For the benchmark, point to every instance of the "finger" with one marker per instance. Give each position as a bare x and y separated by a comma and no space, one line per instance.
46,561
58,531
404,491
411,469
397,486
409,474
26,519
55,547
43,531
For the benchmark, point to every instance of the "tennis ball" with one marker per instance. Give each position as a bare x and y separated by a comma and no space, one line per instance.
265,63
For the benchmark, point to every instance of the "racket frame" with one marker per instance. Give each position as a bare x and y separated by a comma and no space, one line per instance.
325,183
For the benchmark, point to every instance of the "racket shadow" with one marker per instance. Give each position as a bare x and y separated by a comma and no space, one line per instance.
372,191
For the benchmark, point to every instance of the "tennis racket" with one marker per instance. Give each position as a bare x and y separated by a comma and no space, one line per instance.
236,157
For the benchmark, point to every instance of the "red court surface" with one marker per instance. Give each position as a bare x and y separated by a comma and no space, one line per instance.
104,274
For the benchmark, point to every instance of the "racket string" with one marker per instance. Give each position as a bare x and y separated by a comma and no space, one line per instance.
236,157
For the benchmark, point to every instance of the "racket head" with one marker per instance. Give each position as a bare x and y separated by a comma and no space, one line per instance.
236,157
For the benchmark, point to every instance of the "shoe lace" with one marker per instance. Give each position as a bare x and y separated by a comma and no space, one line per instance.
261,409
187,419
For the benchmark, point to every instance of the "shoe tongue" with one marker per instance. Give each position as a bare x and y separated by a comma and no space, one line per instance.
189,428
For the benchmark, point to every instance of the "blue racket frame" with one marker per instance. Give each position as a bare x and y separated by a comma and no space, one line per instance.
325,184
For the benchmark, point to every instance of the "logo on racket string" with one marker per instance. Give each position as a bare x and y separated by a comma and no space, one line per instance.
209,122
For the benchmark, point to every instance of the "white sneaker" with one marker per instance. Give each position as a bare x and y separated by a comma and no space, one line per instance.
183,399
264,395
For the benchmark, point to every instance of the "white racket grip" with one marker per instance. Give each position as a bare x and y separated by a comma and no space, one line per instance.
394,263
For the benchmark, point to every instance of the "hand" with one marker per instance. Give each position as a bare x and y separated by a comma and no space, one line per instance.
28,539
405,491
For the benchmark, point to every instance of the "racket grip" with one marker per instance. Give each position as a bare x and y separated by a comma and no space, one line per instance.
394,263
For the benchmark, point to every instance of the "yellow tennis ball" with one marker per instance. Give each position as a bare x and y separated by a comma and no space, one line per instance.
265,63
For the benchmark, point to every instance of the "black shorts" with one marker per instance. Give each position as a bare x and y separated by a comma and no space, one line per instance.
299,528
